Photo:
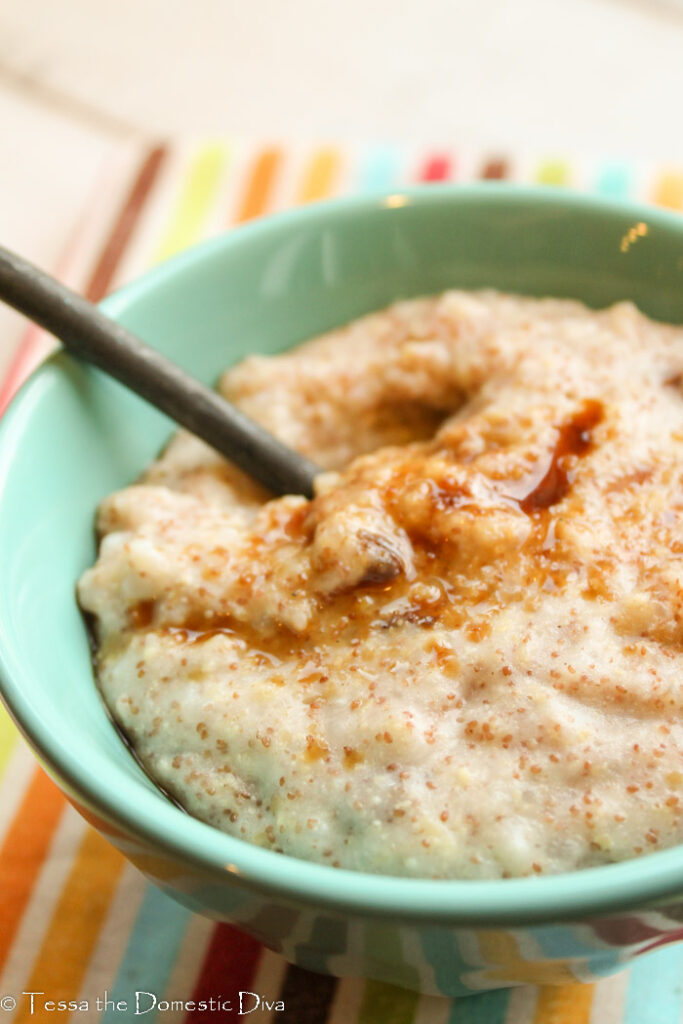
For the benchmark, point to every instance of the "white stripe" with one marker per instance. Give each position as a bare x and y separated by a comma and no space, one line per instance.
432,1010
287,179
642,180
188,965
153,219
88,234
267,982
100,214
44,898
467,163
112,941
522,1004
237,162
609,998
413,955
300,935
406,165
16,779
352,961
347,1001
647,181
469,950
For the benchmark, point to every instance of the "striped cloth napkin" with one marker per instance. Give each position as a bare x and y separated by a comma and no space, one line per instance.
77,922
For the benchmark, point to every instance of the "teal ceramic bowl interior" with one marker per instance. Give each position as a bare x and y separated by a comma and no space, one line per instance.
72,436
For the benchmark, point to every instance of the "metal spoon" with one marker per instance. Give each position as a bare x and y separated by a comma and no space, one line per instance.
86,332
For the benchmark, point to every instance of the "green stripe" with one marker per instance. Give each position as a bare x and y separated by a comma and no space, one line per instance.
195,199
381,1003
487,1008
385,1004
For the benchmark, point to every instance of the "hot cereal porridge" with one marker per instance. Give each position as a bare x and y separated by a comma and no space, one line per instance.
462,659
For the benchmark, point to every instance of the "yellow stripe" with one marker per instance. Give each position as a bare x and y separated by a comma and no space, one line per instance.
80,914
669,190
194,202
564,1004
553,172
8,738
320,176
75,924
507,964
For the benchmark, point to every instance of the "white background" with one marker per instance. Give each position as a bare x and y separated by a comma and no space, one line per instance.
570,77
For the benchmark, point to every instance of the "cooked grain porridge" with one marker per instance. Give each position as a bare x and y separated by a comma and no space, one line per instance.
462,659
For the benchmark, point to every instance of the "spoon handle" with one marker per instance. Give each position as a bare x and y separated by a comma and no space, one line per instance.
86,332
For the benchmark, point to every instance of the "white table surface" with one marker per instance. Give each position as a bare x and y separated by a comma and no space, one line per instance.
77,78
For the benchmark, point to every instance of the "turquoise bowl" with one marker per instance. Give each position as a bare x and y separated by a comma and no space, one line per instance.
72,436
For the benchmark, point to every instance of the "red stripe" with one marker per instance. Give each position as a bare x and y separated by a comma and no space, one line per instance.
25,358
437,167
32,346
128,216
228,968
495,169
666,940
34,341
627,931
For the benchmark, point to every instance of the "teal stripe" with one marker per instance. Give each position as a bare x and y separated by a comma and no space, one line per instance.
487,1008
151,953
562,942
379,170
444,956
655,988
614,180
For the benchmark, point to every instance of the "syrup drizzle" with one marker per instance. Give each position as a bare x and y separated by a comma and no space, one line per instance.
573,439
343,616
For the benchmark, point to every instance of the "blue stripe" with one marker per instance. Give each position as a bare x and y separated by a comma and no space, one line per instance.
445,957
655,988
151,953
614,180
378,171
488,1008
567,943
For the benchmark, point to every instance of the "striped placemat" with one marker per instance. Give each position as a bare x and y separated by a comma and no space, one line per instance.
77,922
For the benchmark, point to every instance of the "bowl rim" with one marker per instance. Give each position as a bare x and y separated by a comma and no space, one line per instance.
152,819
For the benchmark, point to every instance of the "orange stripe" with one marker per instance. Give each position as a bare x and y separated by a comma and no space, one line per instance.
258,193
564,1004
23,851
320,176
669,190
27,841
76,922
